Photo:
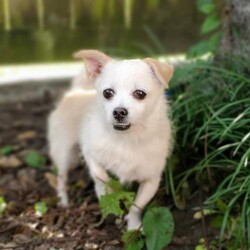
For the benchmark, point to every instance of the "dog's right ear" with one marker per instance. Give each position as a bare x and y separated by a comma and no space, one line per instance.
94,61
162,71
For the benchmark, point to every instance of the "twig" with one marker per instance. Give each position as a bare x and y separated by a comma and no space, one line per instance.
41,241
204,227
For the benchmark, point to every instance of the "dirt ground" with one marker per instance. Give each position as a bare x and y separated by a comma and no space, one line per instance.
23,126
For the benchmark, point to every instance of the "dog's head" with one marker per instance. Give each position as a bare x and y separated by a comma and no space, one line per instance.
128,90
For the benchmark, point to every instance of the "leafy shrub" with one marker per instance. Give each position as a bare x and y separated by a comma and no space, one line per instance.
211,113
209,28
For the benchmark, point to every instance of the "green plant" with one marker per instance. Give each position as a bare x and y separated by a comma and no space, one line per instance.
212,116
116,202
133,240
157,223
35,160
158,226
232,232
209,27
6,150
40,208
2,205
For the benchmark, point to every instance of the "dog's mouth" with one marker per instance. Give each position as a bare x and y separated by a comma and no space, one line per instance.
121,126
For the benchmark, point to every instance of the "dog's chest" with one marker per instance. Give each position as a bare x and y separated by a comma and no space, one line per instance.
130,161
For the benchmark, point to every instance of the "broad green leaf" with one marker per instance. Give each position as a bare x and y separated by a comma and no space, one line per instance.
199,49
41,208
158,226
211,23
6,150
206,6
115,185
2,205
206,46
133,240
111,203
35,160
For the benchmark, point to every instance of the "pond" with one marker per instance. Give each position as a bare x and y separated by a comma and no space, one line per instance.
50,31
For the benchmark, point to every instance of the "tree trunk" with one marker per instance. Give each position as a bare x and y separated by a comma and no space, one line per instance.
236,27
40,14
72,7
6,13
128,7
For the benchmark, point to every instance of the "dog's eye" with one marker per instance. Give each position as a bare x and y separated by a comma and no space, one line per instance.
139,94
108,93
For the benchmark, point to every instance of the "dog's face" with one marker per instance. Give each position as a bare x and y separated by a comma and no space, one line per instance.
128,90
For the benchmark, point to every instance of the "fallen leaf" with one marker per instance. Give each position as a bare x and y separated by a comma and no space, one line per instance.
44,246
21,238
181,241
52,180
10,162
26,179
9,245
26,135
114,242
199,214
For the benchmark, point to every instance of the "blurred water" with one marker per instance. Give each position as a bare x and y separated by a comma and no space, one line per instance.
169,27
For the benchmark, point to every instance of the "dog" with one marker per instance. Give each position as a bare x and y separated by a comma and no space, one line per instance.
117,112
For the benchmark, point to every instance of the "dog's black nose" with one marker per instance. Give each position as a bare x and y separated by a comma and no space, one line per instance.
120,113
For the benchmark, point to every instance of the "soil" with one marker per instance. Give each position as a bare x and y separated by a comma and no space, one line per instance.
23,126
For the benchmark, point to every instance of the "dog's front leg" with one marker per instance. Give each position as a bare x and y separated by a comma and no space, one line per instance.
99,176
146,191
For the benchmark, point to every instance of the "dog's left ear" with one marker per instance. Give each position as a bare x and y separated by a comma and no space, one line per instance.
94,61
162,71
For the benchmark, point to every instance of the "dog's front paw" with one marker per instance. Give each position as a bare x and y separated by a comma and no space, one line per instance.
133,219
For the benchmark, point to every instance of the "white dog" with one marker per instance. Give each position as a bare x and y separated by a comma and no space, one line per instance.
118,113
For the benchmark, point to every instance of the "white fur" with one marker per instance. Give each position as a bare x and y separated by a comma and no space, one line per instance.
63,130
137,154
